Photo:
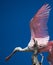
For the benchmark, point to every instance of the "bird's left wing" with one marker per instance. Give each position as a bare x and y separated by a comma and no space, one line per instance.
38,23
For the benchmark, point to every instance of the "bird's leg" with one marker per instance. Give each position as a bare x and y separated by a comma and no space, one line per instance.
35,59
41,58
26,49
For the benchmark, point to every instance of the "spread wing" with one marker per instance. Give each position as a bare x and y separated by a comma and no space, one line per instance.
38,23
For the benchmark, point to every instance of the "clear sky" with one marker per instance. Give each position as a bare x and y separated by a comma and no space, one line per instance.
15,16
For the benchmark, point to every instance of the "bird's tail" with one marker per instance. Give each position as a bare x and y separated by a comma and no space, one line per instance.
48,48
50,56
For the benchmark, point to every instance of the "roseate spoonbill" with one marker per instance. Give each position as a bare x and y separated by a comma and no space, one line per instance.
39,32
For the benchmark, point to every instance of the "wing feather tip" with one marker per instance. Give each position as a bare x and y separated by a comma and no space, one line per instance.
47,6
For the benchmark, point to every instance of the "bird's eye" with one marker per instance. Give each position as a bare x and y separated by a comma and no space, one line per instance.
40,46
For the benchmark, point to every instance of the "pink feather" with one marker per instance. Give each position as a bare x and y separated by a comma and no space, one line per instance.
38,23
48,48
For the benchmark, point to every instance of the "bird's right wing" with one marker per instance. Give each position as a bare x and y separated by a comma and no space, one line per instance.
38,23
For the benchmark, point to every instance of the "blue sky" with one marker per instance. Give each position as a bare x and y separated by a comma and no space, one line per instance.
15,16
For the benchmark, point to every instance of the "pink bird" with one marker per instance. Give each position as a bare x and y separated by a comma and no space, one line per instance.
39,32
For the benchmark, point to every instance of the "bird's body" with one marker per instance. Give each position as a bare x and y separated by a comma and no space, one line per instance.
42,42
